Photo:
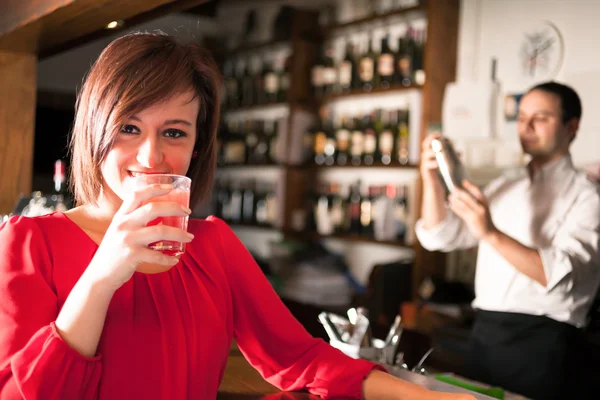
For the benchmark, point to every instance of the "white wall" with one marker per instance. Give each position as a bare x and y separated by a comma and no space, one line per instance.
495,29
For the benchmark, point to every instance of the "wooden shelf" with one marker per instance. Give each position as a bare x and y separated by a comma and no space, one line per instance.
361,93
346,237
393,165
372,18
259,46
255,107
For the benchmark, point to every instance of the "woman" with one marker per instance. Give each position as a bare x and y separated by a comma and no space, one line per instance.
83,311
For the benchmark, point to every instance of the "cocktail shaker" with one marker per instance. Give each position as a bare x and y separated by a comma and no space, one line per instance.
450,168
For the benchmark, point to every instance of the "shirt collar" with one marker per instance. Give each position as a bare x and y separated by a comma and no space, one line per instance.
554,170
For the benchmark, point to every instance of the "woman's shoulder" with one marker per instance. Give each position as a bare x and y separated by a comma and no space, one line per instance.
207,227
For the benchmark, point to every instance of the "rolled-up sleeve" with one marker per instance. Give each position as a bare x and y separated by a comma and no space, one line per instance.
574,257
450,234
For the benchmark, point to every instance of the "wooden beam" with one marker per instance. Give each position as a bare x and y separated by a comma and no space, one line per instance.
33,28
17,119
440,65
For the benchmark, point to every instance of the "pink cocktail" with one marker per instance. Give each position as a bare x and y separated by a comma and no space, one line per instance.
180,194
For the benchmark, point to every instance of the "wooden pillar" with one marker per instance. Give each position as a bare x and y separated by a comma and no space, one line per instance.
17,122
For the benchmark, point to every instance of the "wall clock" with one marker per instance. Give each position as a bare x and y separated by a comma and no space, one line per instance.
541,51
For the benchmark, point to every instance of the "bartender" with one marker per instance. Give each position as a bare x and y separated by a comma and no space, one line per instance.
538,265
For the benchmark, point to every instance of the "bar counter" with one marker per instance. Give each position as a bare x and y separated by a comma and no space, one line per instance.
242,382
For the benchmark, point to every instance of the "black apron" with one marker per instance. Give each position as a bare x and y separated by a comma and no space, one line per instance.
531,355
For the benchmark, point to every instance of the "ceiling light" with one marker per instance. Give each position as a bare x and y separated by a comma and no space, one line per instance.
114,24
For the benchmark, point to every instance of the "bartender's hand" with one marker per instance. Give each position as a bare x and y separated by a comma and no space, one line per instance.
429,164
472,207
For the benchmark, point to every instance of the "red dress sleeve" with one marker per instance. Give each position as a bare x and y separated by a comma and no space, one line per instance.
274,342
35,362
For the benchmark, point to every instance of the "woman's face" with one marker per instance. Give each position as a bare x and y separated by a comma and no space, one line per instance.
159,139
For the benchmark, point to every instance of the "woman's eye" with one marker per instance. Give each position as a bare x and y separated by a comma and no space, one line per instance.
174,133
129,129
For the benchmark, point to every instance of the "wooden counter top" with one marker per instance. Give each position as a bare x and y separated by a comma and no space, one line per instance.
242,382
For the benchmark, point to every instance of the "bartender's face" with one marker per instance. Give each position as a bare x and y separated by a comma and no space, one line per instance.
541,130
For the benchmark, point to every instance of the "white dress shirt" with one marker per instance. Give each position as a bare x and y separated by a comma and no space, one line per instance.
558,213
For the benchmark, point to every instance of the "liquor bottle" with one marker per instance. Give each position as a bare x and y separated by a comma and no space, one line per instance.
347,70
316,75
418,60
323,211
385,64
235,203
223,201
406,53
366,221
248,203
329,71
273,157
259,73
229,84
247,85
251,136
272,204
354,212
261,150
357,139
370,139
271,84
338,209
330,145
61,197
260,194
401,212
284,79
342,139
320,142
386,137
402,137
366,67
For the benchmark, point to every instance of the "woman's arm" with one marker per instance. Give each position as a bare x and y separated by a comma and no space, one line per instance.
381,386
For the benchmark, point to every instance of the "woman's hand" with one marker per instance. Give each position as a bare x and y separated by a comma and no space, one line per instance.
125,243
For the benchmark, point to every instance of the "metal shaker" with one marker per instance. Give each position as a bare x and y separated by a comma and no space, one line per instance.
450,168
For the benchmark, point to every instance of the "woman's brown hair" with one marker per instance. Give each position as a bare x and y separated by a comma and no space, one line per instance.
134,72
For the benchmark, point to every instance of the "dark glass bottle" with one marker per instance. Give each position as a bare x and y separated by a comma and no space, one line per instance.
357,139
354,212
248,203
402,137
247,85
367,68
347,70
271,84
385,64
370,139
342,139
386,137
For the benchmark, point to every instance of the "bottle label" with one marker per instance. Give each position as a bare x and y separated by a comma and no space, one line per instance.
235,152
320,142
366,69
370,144
405,66
386,142
356,147
345,73
385,66
329,76
343,138
317,76
271,83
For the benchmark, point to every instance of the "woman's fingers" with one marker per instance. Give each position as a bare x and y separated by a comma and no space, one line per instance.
155,233
141,195
156,209
156,257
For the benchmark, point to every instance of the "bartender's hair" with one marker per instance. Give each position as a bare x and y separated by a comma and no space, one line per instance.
570,104
134,72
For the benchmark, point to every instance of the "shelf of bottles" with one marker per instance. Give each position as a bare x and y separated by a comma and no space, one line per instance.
351,65
248,202
378,139
357,212
248,143
255,80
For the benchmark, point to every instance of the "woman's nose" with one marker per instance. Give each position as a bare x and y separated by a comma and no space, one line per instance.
150,154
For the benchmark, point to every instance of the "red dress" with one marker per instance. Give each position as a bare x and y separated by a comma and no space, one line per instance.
166,336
